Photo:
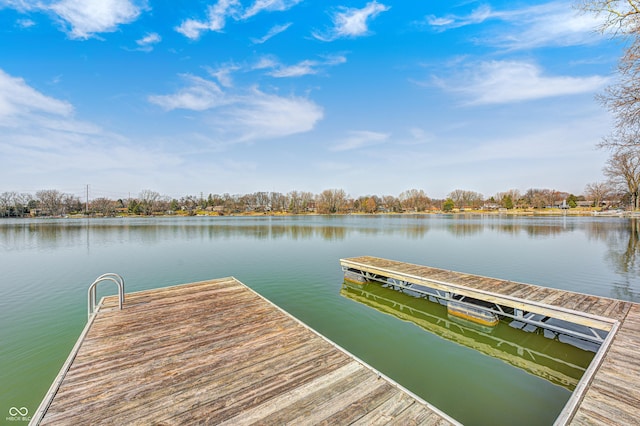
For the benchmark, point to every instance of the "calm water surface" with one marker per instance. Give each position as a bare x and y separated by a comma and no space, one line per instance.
47,265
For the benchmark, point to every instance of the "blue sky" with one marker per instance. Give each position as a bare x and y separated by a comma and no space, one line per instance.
239,96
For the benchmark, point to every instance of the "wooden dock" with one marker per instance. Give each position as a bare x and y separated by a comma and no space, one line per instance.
612,396
216,352
609,391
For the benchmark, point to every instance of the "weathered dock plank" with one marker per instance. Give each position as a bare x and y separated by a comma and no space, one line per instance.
216,352
613,396
302,400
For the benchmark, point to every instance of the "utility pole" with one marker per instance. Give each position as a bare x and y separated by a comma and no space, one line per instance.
86,206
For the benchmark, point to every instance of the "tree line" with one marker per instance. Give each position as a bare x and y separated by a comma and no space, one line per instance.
52,202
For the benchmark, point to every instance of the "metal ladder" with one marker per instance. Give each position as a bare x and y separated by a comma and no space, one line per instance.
92,291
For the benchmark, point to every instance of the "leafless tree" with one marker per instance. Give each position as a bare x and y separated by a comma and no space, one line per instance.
597,192
294,202
392,203
307,200
262,201
371,205
622,18
148,201
540,198
230,203
6,203
463,198
50,201
512,194
332,201
189,204
622,136
21,203
414,200
13,203
163,205
277,201
366,204
297,202
247,202
103,206
71,204
623,169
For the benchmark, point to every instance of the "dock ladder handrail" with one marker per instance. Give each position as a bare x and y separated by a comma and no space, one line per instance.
92,296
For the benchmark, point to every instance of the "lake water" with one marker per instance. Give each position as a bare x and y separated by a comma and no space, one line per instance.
47,265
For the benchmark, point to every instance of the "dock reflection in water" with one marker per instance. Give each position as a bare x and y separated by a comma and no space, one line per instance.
558,362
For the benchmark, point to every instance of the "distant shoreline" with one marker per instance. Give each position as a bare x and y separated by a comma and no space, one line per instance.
456,212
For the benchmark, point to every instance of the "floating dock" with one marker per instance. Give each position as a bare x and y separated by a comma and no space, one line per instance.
216,352
609,391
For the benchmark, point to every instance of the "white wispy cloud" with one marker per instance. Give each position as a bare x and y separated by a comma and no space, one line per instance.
360,139
274,31
83,19
199,95
498,82
146,43
259,115
269,6
352,22
548,24
266,62
302,68
223,74
20,5
218,14
41,140
89,17
151,38
552,24
25,23
243,115
297,70
476,16
18,99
